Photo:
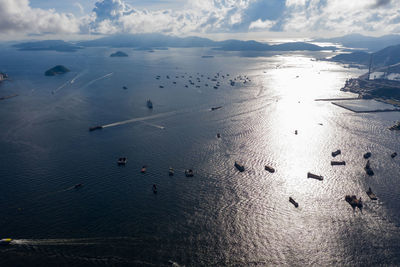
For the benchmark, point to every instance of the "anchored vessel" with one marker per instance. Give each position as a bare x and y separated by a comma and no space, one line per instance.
149,104
269,168
122,161
189,173
368,169
239,166
314,176
367,155
335,153
338,162
371,194
293,202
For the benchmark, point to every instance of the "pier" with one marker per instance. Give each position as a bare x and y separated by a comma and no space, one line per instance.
366,111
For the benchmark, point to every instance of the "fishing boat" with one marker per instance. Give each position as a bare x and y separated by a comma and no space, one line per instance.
368,169
335,153
354,202
333,163
367,155
393,155
314,176
215,108
293,202
189,173
144,169
371,195
149,104
99,127
239,166
171,171
269,168
5,241
122,161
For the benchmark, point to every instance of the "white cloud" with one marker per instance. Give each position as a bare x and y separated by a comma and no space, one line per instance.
16,16
81,9
259,24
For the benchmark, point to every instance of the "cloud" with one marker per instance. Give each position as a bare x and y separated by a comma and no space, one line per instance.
81,9
16,16
380,3
259,24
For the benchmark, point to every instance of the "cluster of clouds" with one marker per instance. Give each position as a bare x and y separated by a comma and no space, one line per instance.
207,16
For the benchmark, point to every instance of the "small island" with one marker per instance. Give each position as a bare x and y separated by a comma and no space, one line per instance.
59,69
119,54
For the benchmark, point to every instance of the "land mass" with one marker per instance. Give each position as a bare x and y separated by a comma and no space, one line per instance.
59,69
119,54
48,45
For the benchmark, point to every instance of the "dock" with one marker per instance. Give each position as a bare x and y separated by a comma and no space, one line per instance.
366,111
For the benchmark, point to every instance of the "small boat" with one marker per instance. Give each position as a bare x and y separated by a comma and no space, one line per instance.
144,169
367,155
354,202
395,127
122,161
161,86
218,135
78,185
171,171
371,195
295,132
189,173
314,176
335,153
154,189
269,168
5,241
393,155
99,127
368,169
215,87
333,163
239,166
124,87
293,202
215,108
149,104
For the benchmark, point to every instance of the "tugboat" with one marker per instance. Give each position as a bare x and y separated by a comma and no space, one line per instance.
189,173
122,161
154,189
171,171
314,176
335,153
149,104
99,127
269,168
144,169
371,195
333,163
367,155
239,166
5,241
354,202
368,169
293,202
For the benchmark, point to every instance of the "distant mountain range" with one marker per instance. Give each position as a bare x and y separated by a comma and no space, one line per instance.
385,57
364,42
152,41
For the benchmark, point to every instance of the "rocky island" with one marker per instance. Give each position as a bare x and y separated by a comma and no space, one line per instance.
59,69
119,54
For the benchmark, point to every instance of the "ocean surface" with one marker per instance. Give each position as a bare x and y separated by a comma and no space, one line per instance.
219,217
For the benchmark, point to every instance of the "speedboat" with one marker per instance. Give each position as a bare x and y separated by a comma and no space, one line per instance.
269,168
314,176
239,166
371,195
5,241
171,171
122,161
189,173
99,127
335,153
293,202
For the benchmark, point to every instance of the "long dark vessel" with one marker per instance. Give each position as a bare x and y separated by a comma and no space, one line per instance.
99,127
293,202
149,104
269,168
239,166
335,153
215,108
314,176
333,163
371,195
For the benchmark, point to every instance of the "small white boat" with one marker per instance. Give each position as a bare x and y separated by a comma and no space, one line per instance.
5,241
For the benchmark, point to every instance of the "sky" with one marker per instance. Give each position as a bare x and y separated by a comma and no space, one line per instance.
70,19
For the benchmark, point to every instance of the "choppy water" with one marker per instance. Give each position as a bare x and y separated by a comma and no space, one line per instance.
218,217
